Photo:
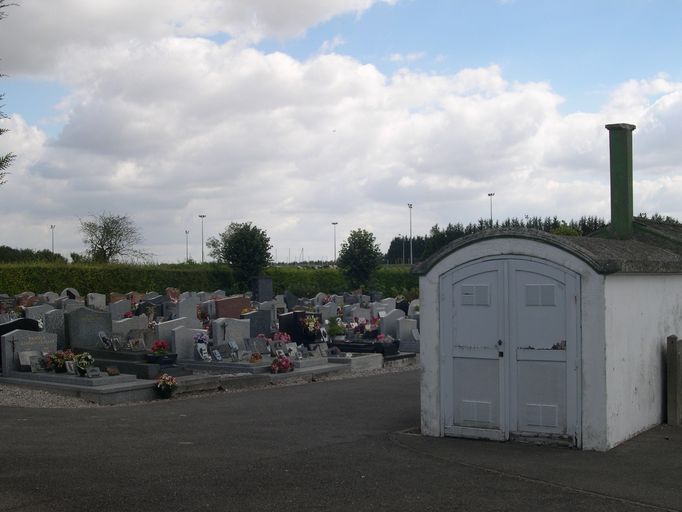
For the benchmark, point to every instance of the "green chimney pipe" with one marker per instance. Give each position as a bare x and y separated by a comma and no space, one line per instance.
620,149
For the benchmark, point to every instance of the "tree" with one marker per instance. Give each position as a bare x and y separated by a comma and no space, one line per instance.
5,160
243,246
359,257
109,237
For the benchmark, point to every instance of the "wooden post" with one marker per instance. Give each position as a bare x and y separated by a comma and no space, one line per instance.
674,360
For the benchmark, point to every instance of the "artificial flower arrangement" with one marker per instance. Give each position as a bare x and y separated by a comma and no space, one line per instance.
311,324
281,364
385,338
200,337
282,336
160,347
57,360
128,314
165,385
84,360
366,329
255,357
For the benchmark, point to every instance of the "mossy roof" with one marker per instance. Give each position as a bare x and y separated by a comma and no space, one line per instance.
655,248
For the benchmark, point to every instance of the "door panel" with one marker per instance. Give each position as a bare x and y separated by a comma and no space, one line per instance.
474,327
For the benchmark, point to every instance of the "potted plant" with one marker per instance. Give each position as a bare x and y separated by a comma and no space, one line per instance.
160,353
84,360
165,385
281,364
336,330
57,360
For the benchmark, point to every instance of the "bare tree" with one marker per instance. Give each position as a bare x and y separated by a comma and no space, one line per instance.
110,237
5,160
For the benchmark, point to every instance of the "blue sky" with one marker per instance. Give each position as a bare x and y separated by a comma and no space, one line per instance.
257,110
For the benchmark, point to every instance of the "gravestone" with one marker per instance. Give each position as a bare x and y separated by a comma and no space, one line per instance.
122,328
375,296
115,297
270,306
260,322
50,297
96,301
402,305
389,302
164,330
290,300
413,310
14,342
218,331
261,288
231,307
186,308
319,299
218,293
406,327
134,298
338,300
259,345
389,323
146,307
182,338
83,326
70,293
25,324
54,322
237,330
350,299
38,312
328,311
150,295
119,308
358,312
208,308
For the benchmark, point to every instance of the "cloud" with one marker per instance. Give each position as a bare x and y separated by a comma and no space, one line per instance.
407,57
41,38
330,46
164,126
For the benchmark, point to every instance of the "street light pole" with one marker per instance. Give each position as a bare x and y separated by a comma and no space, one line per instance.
52,226
187,246
202,217
490,195
409,205
334,224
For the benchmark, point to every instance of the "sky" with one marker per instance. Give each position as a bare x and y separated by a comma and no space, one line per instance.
293,115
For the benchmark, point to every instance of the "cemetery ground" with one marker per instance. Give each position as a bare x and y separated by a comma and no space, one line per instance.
340,444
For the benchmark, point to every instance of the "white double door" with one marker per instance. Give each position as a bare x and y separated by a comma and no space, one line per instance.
510,350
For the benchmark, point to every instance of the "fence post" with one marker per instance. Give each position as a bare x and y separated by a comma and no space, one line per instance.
674,380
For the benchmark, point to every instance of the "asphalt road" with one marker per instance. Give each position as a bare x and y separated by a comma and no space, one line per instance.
336,445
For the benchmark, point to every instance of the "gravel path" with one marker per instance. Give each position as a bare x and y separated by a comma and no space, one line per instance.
24,396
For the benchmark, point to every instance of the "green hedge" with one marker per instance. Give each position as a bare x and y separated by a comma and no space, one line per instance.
42,277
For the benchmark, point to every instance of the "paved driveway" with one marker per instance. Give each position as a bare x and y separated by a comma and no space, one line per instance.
337,445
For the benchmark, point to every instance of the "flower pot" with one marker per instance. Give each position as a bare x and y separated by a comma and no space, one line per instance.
162,359
163,393
81,371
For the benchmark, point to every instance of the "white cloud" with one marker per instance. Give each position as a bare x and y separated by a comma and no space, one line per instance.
162,127
331,45
406,57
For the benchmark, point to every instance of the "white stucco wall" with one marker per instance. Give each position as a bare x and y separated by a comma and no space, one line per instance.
592,392
641,311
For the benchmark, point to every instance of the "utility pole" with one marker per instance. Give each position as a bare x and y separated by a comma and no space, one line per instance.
334,224
52,226
490,195
202,217
187,246
409,205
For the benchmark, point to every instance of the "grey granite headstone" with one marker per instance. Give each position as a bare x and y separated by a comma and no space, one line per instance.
83,326
319,298
50,297
260,322
290,299
261,288
328,311
38,312
270,306
54,323
164,330
348,313
96,301
188,308
182,338
413,309
208,307
350,299
119,308
218,293
122,327
389,323
218,331
359,312
150,295
406,326
14,342
237,330
338,300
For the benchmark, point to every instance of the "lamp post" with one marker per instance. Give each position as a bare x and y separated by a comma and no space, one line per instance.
52,226
202,217
334,224
490,195
409,205
187,246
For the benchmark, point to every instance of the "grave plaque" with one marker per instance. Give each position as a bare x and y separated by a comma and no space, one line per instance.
261,288
231,307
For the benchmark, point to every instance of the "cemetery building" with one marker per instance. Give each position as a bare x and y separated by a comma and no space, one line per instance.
525,334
